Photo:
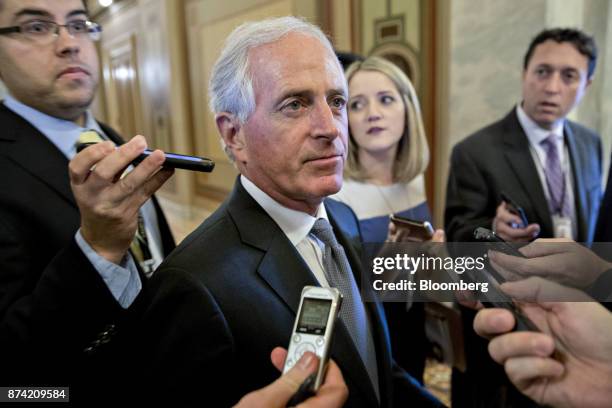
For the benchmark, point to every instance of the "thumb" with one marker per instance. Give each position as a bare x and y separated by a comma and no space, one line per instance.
278,393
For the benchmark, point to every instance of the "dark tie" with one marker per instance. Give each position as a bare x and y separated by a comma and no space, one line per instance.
140,243
352,313
555,179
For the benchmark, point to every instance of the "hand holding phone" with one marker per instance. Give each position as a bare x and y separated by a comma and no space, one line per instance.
313,331
515,209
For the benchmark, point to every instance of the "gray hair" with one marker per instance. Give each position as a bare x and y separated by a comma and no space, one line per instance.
231,84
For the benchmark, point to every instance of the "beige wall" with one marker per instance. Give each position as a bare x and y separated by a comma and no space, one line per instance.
479,49
149,34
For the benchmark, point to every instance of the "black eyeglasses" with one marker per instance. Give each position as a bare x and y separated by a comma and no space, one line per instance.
43,31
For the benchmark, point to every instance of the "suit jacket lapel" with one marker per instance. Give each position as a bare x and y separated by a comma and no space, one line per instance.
520,160
281,260
580,192
32,151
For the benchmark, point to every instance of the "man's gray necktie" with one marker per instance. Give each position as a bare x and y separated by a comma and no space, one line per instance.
353,314
555,179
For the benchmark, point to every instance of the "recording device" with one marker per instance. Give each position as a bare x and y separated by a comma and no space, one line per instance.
495,297
415,230
515,209
173,160
313,331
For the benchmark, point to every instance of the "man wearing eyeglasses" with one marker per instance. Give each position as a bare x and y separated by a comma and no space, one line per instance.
67,283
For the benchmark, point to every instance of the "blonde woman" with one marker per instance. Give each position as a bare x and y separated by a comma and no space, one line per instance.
388,151
388,154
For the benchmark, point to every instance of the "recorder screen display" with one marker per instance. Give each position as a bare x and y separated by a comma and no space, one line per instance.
314,315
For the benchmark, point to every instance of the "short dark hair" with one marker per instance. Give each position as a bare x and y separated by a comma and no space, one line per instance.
583,43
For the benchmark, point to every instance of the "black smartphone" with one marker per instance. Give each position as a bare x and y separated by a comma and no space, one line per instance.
515,209
497,298
416,230
173,160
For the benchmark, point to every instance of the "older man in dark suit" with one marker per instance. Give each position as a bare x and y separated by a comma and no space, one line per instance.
279,98
547,164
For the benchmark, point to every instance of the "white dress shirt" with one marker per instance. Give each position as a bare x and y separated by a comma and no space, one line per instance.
296,225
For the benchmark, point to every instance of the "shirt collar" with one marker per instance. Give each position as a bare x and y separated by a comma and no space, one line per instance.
535,133
62,133
295,224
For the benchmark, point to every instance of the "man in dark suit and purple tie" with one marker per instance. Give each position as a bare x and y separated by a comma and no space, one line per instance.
545,163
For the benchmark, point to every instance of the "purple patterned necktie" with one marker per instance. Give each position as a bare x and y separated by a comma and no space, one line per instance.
555,179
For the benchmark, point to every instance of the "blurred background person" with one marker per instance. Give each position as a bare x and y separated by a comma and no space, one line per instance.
548,164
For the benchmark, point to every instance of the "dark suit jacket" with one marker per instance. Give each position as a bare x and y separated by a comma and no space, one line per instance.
604,221
53,303
228,295
497,159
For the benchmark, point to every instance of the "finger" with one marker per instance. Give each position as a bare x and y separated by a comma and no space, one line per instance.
113,165
510,266
492,322
154,183
533,230
278,357
283,389
505,216
521,344
516,234
544,292
438,236
131,203
80,166
470,304
523,371
333,376
333,391
507,274
544,247
146,176
468,299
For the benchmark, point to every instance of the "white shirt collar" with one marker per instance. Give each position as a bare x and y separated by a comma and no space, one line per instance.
535,133
62,133
295,224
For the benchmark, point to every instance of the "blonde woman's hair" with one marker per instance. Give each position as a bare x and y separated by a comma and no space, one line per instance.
413,151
